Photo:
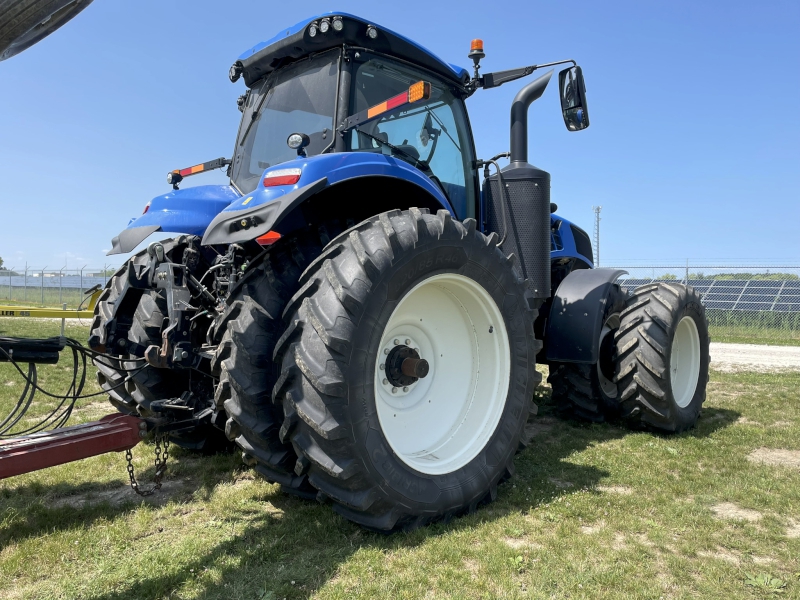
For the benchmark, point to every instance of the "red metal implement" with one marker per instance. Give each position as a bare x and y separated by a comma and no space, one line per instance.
112,433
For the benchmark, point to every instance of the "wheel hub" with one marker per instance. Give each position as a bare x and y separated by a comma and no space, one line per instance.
403,366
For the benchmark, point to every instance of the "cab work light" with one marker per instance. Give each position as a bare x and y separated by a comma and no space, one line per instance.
282,177
418,91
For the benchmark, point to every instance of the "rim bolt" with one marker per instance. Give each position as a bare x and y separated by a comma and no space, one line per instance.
408,342
397,342
386,351
394,390
405,389
385,382
382,367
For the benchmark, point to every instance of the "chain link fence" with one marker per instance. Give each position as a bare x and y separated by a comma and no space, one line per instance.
756,304
745,303
48,287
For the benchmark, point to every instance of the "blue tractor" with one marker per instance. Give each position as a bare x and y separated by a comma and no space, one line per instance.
359,311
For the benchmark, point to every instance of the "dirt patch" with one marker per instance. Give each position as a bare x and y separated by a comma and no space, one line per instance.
746,421
793,529
592,529
619,542
754,357
560,483
722,554
776,457
728,510
533,430
518,543
782,424
615,489
121,495
472,566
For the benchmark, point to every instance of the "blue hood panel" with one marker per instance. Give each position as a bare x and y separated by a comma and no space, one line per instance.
189,210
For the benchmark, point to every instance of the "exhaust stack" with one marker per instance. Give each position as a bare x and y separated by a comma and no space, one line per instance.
519,116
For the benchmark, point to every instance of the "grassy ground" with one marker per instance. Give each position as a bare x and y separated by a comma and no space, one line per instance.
754,335
593,512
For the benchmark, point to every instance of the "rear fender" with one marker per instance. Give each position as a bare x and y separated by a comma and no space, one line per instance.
576,315
266,208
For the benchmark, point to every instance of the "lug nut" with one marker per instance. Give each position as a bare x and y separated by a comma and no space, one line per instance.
405,389
408,342
385,382
397,342
394,390
386,351
382,367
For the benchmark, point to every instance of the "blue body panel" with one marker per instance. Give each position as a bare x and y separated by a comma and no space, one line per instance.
458,72
189,210
563,245
340,167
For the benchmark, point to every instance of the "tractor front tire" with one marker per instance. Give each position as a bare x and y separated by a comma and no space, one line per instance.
391,447
588,392
662,357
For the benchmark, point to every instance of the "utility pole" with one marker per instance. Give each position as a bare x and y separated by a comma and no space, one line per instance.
597,210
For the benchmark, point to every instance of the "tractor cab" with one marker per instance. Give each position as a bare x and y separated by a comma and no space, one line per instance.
313,95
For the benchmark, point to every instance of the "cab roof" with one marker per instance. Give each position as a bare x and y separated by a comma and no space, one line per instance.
295,43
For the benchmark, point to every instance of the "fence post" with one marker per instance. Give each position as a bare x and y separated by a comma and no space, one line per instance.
10,297
60,284
687,271
80,293
41,285
25,285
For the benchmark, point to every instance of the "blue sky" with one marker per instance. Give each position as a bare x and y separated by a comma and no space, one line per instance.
693,152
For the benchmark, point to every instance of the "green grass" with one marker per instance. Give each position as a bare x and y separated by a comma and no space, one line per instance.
741,334
592,512
34,296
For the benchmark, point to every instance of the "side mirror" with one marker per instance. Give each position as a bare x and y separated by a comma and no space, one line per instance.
573,98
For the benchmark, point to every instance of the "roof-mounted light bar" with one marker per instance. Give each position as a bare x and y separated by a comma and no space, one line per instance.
416,92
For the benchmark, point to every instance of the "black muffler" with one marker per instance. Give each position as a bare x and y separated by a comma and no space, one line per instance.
525,198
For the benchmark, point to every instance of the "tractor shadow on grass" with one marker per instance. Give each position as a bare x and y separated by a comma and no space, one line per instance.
294,549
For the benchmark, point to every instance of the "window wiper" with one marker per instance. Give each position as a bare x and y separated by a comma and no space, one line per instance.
417,162
256,112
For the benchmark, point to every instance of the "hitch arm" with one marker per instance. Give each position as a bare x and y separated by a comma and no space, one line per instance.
112,433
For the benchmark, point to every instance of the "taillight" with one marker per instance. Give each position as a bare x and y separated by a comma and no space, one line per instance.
268,238
282,177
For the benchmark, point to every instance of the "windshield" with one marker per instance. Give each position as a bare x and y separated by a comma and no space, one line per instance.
300,98
433,136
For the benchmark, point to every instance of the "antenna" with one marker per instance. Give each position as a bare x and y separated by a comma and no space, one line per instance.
597,210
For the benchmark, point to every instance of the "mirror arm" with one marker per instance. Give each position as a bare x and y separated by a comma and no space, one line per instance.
498,78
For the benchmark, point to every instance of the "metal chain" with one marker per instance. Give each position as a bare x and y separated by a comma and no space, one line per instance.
161,439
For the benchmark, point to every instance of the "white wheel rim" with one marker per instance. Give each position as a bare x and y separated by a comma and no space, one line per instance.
445,419
684,362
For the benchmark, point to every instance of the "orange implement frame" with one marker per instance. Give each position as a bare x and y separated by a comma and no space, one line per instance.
112,433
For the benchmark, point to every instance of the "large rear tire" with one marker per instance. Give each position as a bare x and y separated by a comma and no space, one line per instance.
26,22
389,451
246,334
589,392
663,357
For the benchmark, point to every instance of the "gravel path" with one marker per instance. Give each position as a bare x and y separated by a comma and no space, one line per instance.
752,357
